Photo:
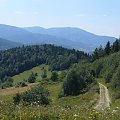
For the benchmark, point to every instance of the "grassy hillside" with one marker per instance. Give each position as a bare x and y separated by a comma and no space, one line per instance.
68,108
24,76
59,108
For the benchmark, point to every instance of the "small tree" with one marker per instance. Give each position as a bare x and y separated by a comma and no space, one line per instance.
44,74
16,99
77,81
71,85
95,54
116,46
54,76
32,78
107,48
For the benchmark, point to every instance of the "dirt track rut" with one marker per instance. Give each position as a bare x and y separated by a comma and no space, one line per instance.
104,100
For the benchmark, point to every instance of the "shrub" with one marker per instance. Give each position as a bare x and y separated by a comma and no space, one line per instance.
16,99
21,84
44,74
8,82
78,80
62,76
37,95
54,76
116,79
32,78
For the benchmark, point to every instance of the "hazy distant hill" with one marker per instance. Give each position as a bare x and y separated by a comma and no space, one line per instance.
17,34
74,34
6,44
66,37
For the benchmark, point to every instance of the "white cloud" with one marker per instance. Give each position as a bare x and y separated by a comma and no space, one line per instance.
19,12
105,15
35,13
80,15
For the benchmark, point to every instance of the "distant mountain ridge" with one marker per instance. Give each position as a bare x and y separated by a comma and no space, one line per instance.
6,44
66,37
74,34
23,36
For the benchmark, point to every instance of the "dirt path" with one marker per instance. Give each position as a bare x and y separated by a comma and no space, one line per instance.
104,100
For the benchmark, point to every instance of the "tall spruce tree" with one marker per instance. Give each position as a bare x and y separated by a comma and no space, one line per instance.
116,46
107,48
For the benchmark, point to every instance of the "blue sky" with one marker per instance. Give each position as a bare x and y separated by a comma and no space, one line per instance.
98,16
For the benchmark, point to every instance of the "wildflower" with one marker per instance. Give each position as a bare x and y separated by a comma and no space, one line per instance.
114,111
75,115
93,110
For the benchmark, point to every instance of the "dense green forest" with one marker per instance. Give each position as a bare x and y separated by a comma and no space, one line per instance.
17,60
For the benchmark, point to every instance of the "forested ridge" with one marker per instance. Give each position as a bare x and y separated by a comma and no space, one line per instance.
107,63
104,63
107,50
17,60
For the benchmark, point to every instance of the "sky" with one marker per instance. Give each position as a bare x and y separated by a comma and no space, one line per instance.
101,17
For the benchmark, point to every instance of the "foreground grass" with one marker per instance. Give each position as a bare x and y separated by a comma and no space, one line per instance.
66,108
60,108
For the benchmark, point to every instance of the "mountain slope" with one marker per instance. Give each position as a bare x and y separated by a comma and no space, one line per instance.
66,37
6,44
24,58
74,34
17,34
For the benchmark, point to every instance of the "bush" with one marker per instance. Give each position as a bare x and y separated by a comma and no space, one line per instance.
37,96
77,80
8,83
16,99
21,84
32,78
44,74
62,76
116,79
54,76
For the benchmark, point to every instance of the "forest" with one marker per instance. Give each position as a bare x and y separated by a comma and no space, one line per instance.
17,60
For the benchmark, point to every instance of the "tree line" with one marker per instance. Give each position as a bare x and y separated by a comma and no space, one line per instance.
107,50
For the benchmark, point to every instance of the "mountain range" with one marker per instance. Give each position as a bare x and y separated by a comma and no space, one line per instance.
6,44
67,37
